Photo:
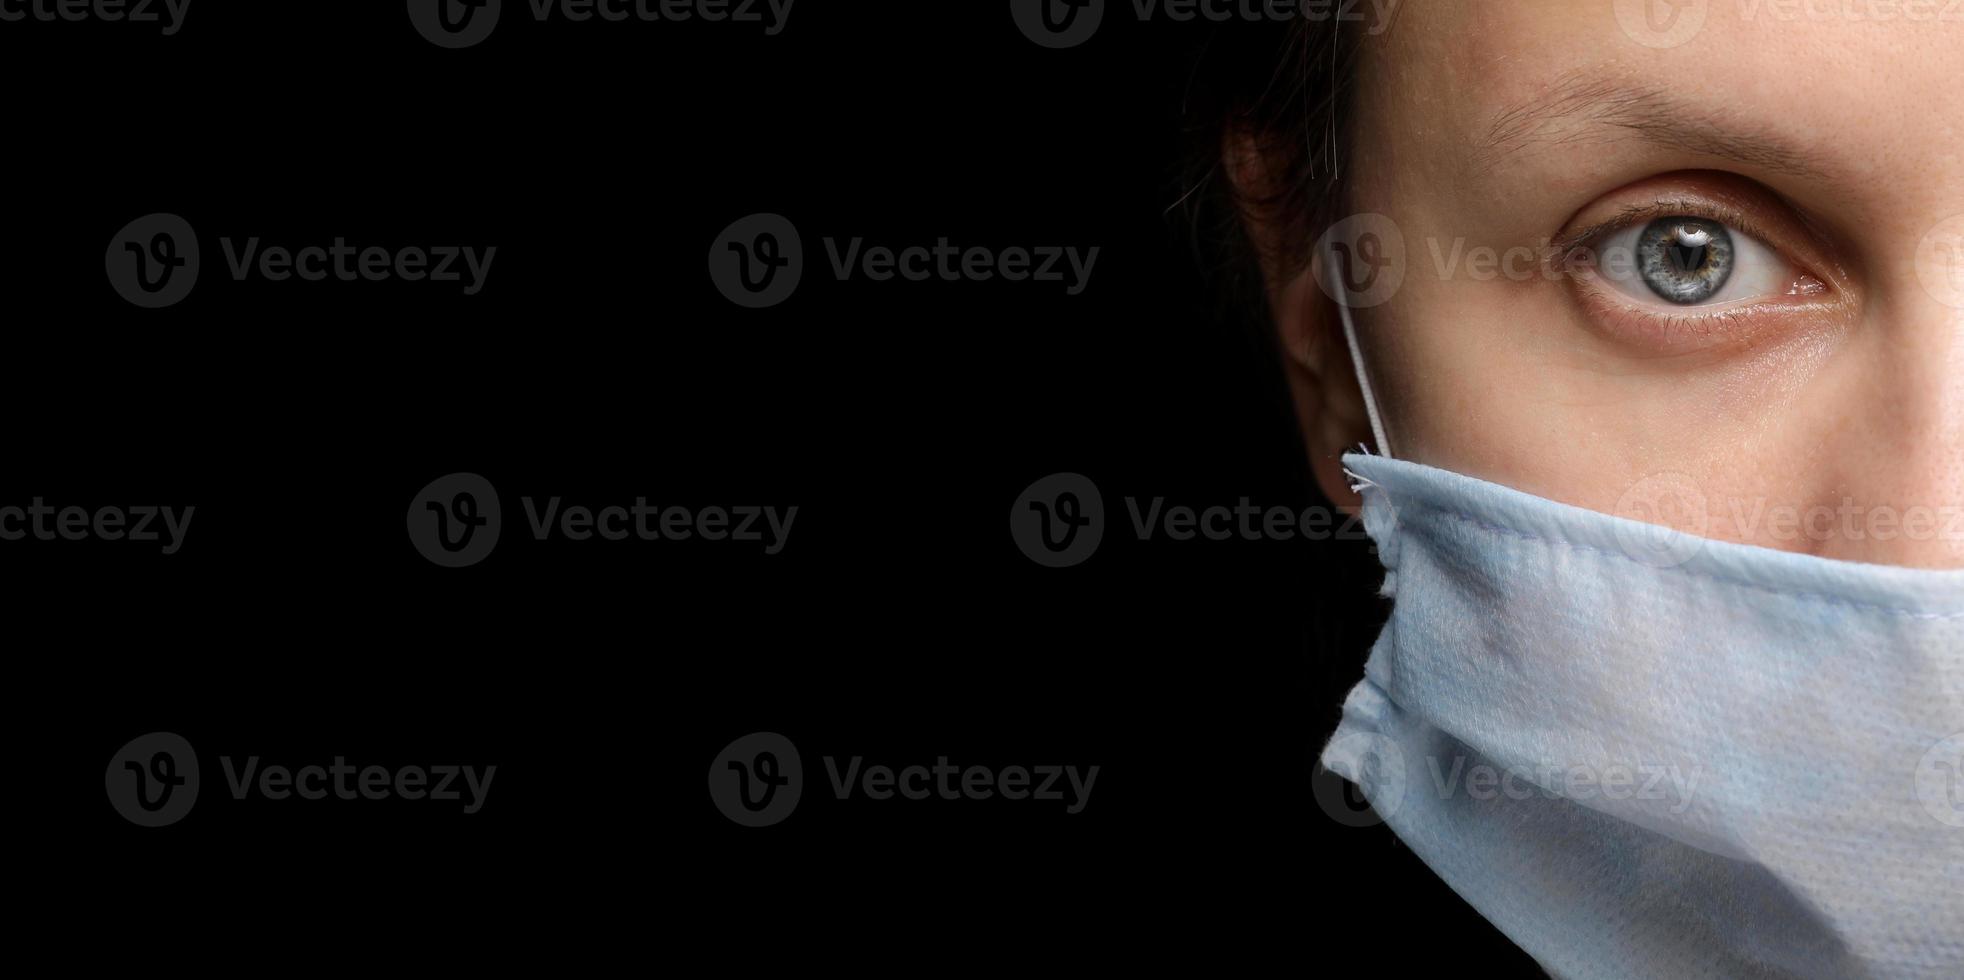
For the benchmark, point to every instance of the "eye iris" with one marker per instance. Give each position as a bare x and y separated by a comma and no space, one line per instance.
1685,260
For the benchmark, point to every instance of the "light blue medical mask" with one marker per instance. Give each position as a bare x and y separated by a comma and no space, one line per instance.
1642,753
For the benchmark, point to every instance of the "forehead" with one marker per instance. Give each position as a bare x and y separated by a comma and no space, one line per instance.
1859,83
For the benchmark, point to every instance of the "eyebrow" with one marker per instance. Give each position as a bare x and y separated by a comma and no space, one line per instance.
1581,110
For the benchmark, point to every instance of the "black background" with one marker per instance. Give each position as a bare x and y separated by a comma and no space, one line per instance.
900,623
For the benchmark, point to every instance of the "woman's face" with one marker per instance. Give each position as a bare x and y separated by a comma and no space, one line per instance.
1710,275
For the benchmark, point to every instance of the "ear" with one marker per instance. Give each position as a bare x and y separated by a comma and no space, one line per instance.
1316,359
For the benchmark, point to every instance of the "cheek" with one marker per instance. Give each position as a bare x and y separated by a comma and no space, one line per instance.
1807,446
1476,377
1490,380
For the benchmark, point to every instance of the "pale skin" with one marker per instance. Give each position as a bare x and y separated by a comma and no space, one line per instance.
1816,404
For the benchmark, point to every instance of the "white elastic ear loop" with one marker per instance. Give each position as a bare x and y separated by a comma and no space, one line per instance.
1357,359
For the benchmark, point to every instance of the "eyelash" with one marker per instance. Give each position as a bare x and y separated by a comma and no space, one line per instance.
1571,245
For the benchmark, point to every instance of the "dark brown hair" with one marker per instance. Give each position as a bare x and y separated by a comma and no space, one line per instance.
1280,90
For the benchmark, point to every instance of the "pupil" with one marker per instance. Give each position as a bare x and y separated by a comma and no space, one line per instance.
1688,258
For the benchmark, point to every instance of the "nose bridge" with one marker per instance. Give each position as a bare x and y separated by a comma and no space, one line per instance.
1903,469
1923,322
1927,389
1895,451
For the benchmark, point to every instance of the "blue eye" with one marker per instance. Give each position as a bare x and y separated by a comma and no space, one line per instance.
1685,260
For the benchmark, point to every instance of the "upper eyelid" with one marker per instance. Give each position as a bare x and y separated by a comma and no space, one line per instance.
1731,217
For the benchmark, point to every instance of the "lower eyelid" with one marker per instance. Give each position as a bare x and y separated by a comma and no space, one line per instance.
1664,332
1717,330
